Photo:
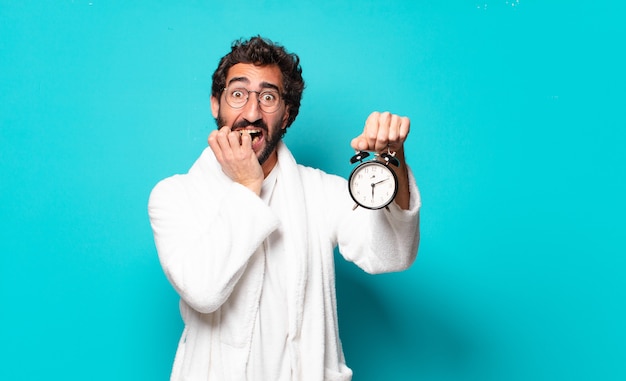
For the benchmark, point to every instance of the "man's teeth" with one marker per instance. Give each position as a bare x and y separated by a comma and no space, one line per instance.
254,134
250,132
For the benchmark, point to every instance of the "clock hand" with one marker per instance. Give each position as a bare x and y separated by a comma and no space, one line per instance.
376,183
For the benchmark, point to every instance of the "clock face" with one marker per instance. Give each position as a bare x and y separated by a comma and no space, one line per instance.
373,185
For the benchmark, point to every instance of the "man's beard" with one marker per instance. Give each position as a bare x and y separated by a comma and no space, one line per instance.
271,141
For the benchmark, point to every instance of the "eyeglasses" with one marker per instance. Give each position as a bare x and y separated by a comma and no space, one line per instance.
269,100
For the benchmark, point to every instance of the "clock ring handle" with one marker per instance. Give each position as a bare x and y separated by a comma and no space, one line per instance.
390,158
360,155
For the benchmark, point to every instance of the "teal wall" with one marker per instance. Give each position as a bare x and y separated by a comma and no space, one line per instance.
517,142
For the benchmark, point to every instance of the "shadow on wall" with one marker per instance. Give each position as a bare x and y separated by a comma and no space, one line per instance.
385,337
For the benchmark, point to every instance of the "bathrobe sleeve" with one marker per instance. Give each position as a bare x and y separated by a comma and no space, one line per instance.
379,241
206,228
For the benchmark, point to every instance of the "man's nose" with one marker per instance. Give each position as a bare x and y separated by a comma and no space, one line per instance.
252,110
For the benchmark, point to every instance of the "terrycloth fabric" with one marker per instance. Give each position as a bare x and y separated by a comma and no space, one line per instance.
207,229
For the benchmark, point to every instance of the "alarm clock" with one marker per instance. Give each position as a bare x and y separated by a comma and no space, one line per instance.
373,184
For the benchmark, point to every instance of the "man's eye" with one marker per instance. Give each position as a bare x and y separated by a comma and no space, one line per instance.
269,97
237,94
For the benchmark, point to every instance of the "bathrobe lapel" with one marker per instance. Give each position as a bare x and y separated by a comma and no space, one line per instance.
297,246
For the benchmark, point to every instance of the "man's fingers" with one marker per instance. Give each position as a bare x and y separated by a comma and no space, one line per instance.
359,143
231,145
234,141
246,140
382,130
215,145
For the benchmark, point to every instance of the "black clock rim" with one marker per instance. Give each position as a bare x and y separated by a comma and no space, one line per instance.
373,162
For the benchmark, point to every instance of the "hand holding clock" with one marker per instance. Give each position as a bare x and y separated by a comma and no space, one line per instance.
386,132
382,131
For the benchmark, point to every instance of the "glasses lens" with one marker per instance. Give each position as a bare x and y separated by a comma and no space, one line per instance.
236,97
269,100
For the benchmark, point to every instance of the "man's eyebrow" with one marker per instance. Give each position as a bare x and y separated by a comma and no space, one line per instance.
264,85
267,85
238,79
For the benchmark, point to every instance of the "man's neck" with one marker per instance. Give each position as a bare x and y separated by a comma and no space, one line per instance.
270,163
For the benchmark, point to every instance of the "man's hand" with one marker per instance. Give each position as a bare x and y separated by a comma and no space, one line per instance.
384,131
233,151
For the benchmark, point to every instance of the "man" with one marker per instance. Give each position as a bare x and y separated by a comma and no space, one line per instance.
246,237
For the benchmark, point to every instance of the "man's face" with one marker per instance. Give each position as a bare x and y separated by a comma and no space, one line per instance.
267,127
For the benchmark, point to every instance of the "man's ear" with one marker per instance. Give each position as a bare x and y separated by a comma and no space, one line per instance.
215,106
285,118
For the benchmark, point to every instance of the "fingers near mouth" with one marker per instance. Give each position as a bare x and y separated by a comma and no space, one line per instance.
254,134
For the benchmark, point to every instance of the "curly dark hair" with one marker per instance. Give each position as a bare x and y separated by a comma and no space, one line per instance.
261,51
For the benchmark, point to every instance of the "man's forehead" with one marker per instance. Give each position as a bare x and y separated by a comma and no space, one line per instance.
255,75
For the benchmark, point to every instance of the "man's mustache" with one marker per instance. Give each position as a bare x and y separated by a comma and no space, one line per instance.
244,123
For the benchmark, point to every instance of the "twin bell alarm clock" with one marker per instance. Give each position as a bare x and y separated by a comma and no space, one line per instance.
373,184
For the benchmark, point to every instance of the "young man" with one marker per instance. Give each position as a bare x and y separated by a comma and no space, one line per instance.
246,237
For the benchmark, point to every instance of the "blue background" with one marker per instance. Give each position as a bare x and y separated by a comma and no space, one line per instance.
517,142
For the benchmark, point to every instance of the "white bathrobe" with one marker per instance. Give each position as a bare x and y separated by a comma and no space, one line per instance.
207,230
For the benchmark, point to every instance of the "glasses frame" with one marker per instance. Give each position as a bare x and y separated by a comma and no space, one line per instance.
258,98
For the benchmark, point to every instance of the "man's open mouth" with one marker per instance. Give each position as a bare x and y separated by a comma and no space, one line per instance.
255,134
